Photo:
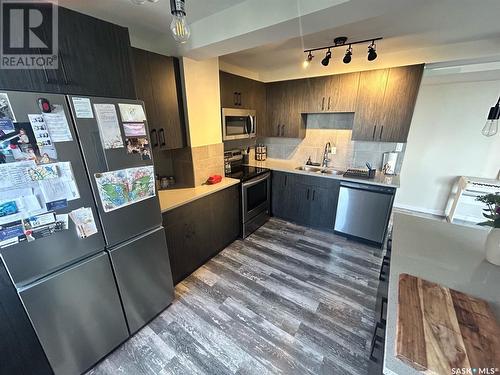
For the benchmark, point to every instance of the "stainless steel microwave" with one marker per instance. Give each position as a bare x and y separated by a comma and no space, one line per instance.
238,124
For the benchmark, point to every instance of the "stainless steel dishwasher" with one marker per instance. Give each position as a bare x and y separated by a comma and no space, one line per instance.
363,211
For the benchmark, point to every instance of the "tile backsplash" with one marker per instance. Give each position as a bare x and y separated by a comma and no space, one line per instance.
336,129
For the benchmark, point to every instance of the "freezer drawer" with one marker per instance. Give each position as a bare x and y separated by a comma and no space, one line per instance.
363,211
77,315
142,269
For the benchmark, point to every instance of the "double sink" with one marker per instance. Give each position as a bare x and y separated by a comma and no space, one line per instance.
320,170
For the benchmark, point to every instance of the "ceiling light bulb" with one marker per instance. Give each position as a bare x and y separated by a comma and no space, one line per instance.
327,58
308,60
179,27
348,55
372,51
491,126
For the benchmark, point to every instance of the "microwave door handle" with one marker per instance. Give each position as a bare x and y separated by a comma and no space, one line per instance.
252,125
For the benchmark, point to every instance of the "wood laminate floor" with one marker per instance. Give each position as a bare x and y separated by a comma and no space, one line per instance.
286,300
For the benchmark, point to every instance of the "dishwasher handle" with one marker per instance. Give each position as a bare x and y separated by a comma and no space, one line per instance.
368,187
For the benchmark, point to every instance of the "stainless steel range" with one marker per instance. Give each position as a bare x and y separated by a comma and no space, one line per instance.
255,192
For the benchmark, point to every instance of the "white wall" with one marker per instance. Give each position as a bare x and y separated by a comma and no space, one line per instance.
445,141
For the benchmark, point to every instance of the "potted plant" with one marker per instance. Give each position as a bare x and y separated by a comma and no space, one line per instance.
492,213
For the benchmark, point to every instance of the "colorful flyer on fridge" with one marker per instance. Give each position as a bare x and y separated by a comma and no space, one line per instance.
139,146
6,127
109,127
122,188
84,222
43,138
57,124
6,112
132,112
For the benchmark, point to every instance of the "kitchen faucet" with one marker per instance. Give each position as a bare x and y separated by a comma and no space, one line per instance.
328,150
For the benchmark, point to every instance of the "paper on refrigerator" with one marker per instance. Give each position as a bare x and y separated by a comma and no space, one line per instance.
84,222
109,127
132,112
43,137
83,108
58,124
121,188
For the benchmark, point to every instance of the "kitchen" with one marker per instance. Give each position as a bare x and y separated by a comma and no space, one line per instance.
244,197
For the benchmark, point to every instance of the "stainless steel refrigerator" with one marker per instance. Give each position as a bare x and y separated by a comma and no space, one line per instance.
87,276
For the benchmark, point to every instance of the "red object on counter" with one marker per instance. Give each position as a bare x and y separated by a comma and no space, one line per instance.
215,179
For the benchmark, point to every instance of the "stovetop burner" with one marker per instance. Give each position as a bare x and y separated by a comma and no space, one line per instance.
245,173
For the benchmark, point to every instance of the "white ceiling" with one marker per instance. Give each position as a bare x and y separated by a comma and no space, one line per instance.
266,38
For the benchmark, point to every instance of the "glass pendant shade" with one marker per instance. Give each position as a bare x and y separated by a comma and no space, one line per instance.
491,126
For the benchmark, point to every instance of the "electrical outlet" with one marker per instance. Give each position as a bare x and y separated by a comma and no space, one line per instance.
399,147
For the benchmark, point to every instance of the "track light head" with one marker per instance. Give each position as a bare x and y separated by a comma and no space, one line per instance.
327,58
372,51
308,60
348,55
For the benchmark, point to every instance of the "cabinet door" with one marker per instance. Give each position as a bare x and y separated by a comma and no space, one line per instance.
94,56
228,95
165,76
370,98
275,109
282,194
225,218
399,102
342,92
316,94
323,202
301,204
285,101
144,88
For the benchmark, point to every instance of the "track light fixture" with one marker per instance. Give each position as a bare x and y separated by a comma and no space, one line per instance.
327,58
491,126
341,42
372,51
308,60
348,55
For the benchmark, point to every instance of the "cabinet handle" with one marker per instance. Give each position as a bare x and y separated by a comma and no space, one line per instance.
374,131
308,191
329,102
314,194
44,69
162,137
278,134
235,98
239,100
286,179
323,104
65,75
282,130
153,134
381,131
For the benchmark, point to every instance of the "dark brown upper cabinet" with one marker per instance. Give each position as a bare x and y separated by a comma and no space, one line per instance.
244,93
285,103
336,93
157,80
94,60
385,104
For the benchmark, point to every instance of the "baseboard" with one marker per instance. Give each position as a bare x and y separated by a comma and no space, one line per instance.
420,209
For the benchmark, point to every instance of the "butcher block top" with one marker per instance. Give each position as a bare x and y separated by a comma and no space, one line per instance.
450,255
441,329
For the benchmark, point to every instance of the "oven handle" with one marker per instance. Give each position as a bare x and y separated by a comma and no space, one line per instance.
256,180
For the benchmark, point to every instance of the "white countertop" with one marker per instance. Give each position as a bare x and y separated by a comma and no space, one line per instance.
448,254
290,166
173,198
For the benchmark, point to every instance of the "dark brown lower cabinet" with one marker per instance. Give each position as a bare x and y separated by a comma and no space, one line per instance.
306,200
21,351
201,229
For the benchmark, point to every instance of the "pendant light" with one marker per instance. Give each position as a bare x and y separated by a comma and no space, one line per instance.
179,27
491,126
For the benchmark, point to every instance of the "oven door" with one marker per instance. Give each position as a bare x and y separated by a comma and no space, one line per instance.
256,196
238,124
